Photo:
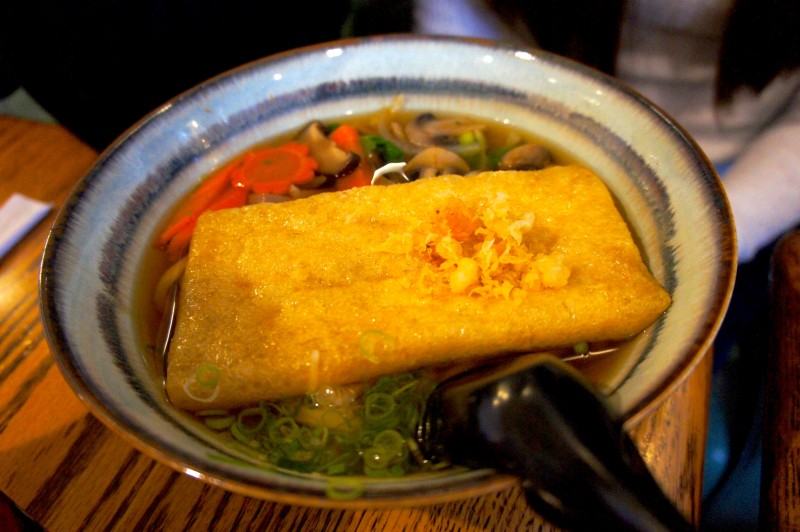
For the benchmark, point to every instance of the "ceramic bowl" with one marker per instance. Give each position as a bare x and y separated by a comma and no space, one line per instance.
665,187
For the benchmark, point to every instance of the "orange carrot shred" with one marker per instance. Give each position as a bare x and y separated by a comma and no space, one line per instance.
233,197
197,202
208,191
179,243
176,239
174,229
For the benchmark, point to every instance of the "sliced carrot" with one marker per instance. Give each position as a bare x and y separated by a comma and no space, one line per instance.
197,202
208,191
360,177
179,243
175,227
348,138
273,170
267,170
233,197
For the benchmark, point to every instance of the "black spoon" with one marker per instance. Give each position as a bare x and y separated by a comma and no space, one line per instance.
539,419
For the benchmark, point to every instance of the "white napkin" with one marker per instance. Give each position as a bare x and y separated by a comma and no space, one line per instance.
18,215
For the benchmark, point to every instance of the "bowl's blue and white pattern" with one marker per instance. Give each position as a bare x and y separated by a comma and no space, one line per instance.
665,186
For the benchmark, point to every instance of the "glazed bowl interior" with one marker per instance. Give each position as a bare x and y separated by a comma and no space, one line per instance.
663,184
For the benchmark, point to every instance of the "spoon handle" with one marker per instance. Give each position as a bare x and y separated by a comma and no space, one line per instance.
547,426
597,478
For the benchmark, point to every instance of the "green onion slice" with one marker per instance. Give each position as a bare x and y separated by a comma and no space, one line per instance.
378,406
374,344
344,489
581,348
207,375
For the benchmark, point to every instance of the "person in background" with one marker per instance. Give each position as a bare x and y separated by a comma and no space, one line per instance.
728,71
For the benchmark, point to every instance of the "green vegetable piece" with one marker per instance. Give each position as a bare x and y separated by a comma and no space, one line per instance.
374,344
466,138
207,375
241,437
284,431
251,420
581,348
212,412
378,406
476,156
390,440
219,423
396,470
315,438
376,445
344,489
388,151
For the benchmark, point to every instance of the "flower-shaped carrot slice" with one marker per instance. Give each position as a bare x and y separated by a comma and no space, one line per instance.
273,170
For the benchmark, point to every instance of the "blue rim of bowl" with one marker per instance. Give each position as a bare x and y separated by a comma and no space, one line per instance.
115,249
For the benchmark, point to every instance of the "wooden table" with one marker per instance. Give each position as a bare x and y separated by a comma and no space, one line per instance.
69,472
780,480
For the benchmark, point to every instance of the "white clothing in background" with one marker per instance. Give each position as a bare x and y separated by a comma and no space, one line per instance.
668,52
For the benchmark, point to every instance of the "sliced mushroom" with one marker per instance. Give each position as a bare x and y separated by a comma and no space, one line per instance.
393,132
525,157
296,192
318,182
332,160
428,130
435,161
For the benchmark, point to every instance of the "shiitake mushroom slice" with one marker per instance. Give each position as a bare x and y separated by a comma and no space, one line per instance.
333,161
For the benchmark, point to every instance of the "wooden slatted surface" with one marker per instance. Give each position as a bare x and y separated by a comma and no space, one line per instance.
69,472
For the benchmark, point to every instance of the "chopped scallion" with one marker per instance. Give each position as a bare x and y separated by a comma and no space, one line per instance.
377,441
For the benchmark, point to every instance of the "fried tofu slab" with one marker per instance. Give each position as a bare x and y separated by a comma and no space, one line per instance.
280,299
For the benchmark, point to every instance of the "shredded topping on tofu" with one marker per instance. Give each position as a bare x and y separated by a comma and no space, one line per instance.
481,251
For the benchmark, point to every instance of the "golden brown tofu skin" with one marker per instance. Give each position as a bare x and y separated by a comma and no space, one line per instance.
281,299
